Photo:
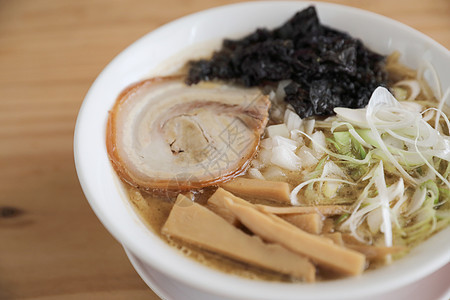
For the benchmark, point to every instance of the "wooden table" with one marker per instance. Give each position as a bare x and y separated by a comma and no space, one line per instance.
51,244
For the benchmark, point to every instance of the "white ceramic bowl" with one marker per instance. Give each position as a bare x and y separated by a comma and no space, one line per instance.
107,198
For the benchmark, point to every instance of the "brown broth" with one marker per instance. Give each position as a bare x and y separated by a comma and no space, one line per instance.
154,210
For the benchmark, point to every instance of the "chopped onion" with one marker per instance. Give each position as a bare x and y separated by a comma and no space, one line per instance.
285,158
280,93
273,173
307,157
292,120
266,143
319,143
255,173
296,136
282,141
277,130
308,126
264,156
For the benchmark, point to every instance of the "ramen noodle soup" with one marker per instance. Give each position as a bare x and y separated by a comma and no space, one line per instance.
292,154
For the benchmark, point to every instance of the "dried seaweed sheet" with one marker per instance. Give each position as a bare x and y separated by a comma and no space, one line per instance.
327,68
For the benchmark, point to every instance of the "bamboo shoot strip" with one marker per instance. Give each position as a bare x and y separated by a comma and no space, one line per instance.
336,237
324,210
311,223
198,225
321,250
261,189
216,203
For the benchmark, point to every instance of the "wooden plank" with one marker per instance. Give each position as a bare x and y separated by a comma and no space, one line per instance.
50,52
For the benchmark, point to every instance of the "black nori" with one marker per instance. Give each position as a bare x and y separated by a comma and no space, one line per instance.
328,68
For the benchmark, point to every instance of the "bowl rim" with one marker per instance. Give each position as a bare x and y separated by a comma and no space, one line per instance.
265,289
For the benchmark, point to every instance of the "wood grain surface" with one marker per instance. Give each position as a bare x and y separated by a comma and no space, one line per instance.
51,244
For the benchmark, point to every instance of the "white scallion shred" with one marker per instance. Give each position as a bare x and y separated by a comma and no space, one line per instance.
385,137
444,180
353,132
442,101
427,66
383,196
294,194
381,98
413,86
366,160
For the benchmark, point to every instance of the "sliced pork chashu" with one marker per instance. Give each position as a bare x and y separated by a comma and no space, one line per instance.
163,134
